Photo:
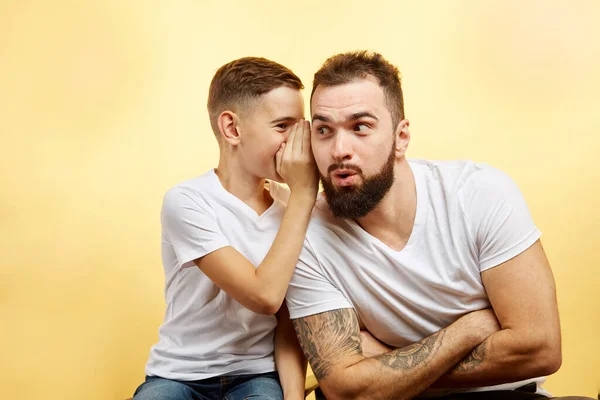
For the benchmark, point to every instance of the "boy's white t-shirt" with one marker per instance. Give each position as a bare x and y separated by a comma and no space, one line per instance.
469,218
206,332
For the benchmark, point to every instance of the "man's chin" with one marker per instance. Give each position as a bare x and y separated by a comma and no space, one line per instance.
338,188
345,188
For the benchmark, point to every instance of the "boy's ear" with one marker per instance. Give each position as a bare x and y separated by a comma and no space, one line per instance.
228,123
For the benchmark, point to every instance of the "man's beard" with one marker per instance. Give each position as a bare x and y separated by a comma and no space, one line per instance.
358,201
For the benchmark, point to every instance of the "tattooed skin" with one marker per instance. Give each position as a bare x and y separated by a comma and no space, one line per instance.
413,355
334,335
328,337
473,360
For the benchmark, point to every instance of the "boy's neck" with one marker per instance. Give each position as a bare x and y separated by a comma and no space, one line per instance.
246,187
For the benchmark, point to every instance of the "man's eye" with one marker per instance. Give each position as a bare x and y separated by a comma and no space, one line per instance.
361,127
322,130
282,126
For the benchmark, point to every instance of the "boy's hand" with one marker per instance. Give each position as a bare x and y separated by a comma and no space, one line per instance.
295,163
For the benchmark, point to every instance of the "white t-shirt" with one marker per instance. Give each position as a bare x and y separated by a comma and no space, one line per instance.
206,332
469,218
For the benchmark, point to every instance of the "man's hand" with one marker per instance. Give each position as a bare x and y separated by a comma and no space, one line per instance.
485,320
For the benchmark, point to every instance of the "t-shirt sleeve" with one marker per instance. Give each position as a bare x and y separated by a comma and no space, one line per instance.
190,226
498,217
310,291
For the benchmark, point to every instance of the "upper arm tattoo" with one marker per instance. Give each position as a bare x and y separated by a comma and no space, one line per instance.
327,338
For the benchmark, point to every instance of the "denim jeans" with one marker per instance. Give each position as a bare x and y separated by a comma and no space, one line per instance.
239,387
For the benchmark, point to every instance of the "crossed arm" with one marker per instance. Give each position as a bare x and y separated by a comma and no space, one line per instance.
332,345
522,293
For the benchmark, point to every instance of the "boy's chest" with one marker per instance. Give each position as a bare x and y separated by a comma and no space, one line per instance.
252,236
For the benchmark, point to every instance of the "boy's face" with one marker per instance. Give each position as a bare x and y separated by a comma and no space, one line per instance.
265,127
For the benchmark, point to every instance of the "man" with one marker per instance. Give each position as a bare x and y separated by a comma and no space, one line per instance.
229,249
415,253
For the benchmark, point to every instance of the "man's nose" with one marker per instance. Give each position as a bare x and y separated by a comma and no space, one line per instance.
342,147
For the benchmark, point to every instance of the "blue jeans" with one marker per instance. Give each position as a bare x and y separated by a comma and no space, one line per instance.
238,387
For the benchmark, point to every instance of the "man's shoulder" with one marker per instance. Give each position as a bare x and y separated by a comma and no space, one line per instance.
458,174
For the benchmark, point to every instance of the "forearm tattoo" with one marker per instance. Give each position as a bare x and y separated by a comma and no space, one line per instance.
413,355
473,360
334,335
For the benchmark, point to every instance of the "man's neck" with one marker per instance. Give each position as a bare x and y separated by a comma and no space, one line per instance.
393,219
246,187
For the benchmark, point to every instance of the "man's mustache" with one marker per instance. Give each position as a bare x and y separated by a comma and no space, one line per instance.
334,167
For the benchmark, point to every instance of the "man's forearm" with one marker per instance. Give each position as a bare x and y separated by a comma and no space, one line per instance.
406,372
345,373
505,356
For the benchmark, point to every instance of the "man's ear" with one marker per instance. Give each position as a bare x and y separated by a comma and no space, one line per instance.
228,123
402,137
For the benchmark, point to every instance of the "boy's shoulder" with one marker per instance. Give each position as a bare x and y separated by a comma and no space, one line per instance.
206,181
198,190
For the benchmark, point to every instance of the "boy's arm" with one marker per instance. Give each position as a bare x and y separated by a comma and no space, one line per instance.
262,288
291,363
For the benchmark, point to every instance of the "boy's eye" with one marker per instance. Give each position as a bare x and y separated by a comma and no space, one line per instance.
282,126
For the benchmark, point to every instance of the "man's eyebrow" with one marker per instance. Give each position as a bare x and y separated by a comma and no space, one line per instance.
362,114
353,117
283,119
319,117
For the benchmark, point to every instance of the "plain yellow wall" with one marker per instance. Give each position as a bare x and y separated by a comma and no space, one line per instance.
102,109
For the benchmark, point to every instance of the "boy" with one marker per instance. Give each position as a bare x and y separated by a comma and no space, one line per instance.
229,248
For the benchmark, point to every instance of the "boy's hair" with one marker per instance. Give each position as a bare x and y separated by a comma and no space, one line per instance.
237,85
348,67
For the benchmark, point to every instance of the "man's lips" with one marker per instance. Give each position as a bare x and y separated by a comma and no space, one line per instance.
343,173
344,177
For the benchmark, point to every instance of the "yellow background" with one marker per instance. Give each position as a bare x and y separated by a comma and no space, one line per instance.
102,109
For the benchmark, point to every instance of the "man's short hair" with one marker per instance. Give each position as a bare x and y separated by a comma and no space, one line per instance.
239,83
352,66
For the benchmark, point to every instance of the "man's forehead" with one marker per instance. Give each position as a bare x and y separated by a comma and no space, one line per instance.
344,100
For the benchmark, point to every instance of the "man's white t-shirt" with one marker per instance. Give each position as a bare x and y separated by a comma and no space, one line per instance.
469,218
206,332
